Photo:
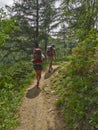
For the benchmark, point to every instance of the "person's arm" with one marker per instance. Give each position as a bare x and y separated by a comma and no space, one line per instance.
43,57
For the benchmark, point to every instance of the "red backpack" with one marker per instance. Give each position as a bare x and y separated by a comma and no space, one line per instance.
50,51
37,55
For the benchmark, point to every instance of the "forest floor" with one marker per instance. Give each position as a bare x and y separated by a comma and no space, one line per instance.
38,110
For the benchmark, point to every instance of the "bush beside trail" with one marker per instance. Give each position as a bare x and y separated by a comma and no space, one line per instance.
14,79
77,86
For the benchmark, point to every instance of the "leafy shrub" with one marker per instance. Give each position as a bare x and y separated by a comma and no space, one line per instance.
13,81
77,87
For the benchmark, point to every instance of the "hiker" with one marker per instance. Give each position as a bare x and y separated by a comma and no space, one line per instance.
38,58
51,55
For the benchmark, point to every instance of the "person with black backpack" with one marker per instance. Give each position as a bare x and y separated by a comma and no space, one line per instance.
38,58
51,54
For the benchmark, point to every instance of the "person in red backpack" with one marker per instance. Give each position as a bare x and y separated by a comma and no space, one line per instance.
37,63
51,54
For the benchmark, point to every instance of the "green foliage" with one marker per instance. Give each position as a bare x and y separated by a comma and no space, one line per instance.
13,81
77,86
38,25
7,27
9,102
15,70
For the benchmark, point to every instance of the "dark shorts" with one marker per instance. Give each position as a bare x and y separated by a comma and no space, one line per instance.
37,67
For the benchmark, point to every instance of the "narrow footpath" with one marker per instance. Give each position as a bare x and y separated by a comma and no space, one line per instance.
38,110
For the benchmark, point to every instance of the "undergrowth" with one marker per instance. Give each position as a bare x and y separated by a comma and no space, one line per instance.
77,86
13,82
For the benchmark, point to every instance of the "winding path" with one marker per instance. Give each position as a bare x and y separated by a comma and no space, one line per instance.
38,110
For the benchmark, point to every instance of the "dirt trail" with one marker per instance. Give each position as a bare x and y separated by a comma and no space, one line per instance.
38,111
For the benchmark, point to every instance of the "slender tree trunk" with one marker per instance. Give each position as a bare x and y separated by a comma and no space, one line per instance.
37,24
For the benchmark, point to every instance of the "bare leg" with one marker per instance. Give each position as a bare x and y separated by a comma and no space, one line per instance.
50,66
38,73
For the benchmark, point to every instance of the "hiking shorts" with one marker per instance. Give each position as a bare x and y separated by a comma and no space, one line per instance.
37,67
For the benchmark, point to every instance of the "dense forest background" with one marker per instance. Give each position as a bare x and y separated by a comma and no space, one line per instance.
31,23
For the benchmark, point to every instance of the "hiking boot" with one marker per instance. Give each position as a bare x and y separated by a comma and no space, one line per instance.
49,71
37,85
